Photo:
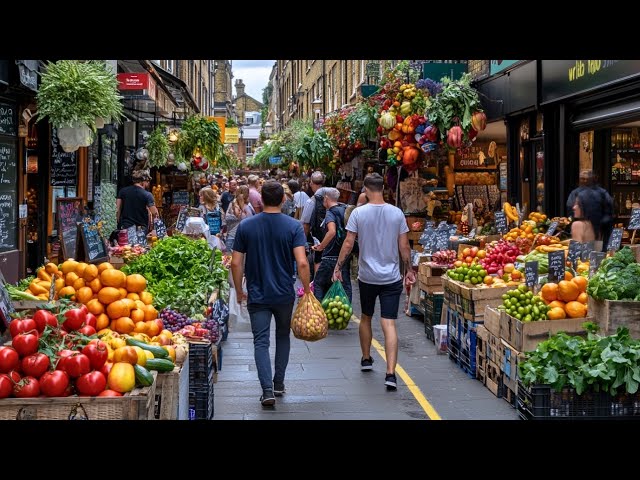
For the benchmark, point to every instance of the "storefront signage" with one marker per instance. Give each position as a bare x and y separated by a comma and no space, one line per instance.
64,165
28,73
436,71
222,124
565,78
479,156
231,135
7,119
135,84
499,65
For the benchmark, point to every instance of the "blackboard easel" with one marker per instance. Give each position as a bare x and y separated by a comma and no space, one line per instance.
69,212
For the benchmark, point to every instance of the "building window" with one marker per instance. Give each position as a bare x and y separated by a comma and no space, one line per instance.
249,145
157,62
170,66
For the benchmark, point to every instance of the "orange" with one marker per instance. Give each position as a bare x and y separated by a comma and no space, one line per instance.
104,266
133,296
146,298
549,292
576,310
70,279
137,315
108,295
140,304
557,304
68,266
84,295
80,267
583,298
153,328
136,283
96,285
556,313
568,291
78,284
94,306
123,292
59,284
123,325
150,313
67,291
130,303
118,309
581,282
102,321
90,272
568,275
113,278
141,327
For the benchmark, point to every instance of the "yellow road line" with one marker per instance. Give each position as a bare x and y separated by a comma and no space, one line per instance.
413,388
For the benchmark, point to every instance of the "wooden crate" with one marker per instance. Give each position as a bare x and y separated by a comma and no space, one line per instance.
482,338
494,348
492,320
172,393
493,379
429,280
431,269
117,262
525,336
611,314
509,367
135,405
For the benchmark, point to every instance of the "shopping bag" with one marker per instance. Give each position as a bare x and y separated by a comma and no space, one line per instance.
237,311
309,321
337,307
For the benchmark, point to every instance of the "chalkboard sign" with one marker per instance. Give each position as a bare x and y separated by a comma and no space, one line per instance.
531,274
69,212
8,123
501,222
180,198
182,219
91,245
214,220
64,165
8,223
6,305
8,164
427,239
552,228
556,266
634,223
615,240
595,259
575,248
142,237
587,248
160,228
132,235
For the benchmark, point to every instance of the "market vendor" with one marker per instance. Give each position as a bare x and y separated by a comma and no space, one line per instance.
135,204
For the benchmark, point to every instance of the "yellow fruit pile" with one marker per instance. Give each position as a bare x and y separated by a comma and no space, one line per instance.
566,299
537,217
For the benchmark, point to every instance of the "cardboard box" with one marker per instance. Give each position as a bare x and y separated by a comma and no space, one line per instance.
492,320
510,367
493,378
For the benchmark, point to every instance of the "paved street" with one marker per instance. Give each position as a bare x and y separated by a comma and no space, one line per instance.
324,380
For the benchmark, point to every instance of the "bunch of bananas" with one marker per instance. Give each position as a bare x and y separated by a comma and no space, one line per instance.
510,211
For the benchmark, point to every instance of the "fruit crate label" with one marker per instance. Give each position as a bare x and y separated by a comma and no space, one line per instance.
595,259
501,223
556,266
552,228
531,274
634,223
575,248
615,240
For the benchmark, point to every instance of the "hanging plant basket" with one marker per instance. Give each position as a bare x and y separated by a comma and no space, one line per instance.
74,136
158,147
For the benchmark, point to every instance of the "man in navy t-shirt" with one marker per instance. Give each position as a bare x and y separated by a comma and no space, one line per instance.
267,245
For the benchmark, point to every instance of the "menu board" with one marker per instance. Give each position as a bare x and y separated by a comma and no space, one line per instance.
64,165
634,223
8,164
595,259
180,198
69,212
182,219
615,240
531,274
8,223
556,266
501,222
8,123
91,245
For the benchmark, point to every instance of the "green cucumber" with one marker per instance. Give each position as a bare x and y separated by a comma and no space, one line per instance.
160,365
143,376
158,352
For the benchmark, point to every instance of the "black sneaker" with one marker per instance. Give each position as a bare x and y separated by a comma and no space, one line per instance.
267,399
366,364
390,381
278,389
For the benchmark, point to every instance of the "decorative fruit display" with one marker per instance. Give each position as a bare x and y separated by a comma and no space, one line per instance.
445,257
338,313
566,299
473,275
524,305
475,178
499,255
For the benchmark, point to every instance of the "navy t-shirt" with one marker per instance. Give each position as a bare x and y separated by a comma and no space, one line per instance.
135,201
336,215
268,240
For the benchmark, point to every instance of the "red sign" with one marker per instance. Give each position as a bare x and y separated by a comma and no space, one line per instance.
133,81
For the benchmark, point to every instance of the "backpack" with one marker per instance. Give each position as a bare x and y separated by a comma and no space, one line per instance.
341,230
319,212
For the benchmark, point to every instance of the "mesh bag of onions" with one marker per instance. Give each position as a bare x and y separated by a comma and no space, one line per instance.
309,321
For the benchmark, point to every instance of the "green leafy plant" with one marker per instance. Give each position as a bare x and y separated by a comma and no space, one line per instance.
198,133
362,122
73,92
158,147
454,105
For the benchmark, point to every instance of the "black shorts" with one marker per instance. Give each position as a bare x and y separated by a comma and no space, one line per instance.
389,298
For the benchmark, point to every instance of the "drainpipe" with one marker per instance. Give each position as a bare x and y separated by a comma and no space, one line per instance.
324,89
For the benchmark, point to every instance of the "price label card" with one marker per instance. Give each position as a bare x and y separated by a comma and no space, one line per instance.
501,222
531,274
552,228
556,266
615,240
634,223
575,248
595,259
587,248
161,229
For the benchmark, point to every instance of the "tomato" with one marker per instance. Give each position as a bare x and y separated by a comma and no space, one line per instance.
76,365
122,377
20,325
91,384
54,384
75,319
87,330
97,353
62,356
26,388
91,320
44,318
9,359
25,343
106,368
110,393
6,385
35,365
83,308
125,354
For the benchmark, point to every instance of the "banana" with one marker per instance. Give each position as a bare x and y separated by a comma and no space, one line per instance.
510,212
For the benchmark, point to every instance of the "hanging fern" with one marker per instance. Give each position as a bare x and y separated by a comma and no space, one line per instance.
158,147
198,133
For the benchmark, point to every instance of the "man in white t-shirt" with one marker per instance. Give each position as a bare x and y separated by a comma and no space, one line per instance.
299,197
382,236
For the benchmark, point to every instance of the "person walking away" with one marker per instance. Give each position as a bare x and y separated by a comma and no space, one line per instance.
134,203
228,195
267,245
382,236
313,215
238,210
299,197
335,233
254,195
288,207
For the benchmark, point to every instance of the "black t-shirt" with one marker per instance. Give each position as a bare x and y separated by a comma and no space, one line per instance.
336,215
227,198
135,201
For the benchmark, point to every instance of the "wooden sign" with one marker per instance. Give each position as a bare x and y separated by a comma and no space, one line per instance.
615,240
531,274
69,213
556,266
501,222
91,245
552,228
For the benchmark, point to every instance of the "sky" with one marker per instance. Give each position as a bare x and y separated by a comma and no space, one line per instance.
254,74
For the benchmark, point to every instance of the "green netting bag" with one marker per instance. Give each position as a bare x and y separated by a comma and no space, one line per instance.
337,307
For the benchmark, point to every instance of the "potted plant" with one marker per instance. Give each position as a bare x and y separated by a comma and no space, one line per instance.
158,147
199,141
73,95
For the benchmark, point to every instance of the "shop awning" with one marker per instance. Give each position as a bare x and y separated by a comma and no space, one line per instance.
609,114
178,89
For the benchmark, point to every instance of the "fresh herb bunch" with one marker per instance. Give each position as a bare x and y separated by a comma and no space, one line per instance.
73,92
158,147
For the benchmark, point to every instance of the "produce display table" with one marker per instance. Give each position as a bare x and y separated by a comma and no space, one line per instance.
172,393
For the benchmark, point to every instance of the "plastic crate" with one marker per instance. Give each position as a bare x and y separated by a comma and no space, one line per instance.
468,344
428,329
201,403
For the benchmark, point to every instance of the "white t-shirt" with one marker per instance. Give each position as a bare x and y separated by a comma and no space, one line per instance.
378,227
300,199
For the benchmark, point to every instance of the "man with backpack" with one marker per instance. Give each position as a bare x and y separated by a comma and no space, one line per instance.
314,213
329,247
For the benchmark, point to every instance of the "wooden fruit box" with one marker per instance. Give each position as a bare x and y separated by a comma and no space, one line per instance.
492,320
525,336
429,280
172,393
135,405
430,269
611,314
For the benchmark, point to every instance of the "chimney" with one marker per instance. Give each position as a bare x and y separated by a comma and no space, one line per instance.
239,87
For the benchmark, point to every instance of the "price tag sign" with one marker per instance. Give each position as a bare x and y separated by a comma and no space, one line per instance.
595,259
615,240
552,228
161,229
556,266
587,248
501,222
531,274
575,248
634,223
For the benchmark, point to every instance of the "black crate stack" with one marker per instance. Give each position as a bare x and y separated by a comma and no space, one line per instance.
201,370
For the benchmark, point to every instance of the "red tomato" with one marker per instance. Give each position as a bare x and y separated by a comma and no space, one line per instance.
110,393
44,318
97,353
106,368
35,365
14,376
87,330
91,384
75,319
54,384
91,319
9,359
26,388
25,343
84,309
20,325
6,385
76,365
62,356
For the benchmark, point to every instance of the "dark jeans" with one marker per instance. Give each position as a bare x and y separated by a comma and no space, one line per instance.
322,281
260,315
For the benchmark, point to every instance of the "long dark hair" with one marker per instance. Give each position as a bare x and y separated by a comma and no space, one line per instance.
590,202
